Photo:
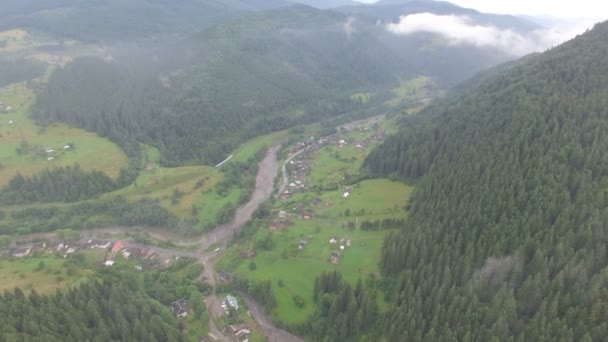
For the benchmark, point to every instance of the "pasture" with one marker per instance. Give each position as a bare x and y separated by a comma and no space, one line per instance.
28,149
411,90
45,273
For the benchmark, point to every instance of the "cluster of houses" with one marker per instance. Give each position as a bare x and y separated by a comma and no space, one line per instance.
50,152
61,248
144,256
301,165
341,245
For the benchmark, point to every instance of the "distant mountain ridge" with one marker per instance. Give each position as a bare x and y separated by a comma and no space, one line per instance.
391,10
117,20
326,4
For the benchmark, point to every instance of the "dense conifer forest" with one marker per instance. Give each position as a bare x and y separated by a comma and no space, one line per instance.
63,184
116,305
506,239
18,70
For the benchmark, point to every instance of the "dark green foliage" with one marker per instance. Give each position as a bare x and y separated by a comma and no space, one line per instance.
506,236
172,283
116,211
13,71
261,291
108,310
65,184
341,312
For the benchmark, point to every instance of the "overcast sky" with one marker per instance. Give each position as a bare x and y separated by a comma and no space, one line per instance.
595,9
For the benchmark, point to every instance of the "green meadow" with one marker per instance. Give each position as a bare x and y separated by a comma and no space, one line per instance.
46,273
411,90
18,132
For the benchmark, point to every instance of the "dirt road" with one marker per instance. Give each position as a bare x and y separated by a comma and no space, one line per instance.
284,170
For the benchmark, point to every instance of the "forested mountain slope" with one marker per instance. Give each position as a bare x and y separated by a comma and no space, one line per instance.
507,235
244,78
119,20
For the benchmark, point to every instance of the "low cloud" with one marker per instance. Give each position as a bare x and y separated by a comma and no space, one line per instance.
349,26
462,30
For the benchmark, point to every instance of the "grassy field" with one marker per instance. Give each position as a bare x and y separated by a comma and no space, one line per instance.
17,130
410,91
333,163
250,148
161,183
293,270
28,274
15,40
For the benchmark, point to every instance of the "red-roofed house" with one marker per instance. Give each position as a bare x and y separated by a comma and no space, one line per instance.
117,246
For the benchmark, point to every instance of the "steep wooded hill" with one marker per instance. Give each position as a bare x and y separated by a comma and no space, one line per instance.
507,235
119,20
244,78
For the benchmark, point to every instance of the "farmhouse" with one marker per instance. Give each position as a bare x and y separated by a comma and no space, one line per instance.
333,240
38,246
117,246
232,301
22,252
282,214
225,277
334,258
248,255
109,263
240,331
102,244
180,308
302,244
278,225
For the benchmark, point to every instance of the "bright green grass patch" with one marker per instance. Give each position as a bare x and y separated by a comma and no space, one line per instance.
411,90
300,268
210,203
16,130
374,197
332,164
161,183
27,274
297,269
250,148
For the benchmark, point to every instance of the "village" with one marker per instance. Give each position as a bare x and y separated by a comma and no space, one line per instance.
299,182
145,256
